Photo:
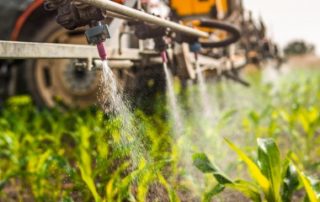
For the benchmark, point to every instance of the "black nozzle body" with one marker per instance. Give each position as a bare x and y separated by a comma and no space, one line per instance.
72,15
97,34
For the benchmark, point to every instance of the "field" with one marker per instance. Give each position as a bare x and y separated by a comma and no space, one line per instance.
80,155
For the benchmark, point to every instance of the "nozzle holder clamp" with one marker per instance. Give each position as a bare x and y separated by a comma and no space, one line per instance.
97,34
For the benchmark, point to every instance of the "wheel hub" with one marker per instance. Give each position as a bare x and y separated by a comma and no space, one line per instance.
78,81
65,81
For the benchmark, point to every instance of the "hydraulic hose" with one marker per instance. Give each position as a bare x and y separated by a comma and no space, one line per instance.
233,32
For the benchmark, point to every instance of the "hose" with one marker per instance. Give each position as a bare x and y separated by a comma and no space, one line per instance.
233,32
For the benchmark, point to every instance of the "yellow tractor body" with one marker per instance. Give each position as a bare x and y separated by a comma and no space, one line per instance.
187,8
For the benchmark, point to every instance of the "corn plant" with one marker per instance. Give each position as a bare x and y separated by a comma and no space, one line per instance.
77,155
274,179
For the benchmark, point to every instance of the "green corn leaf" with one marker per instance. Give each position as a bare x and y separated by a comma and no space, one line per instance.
313,196
172,194
270,164
110,189
290,183
254,170
255,117
226,118
315,186
90,183
213,192
67,199
85,162
248,189
202,162
312,189
311,192
3,183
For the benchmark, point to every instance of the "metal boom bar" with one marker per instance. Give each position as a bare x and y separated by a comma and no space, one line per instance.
31,50
23,50
139,15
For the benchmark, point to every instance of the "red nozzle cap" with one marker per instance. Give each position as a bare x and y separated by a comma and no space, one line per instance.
164,56
102,51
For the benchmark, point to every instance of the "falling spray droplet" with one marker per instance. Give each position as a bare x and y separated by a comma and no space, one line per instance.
113,102
172,98
204,95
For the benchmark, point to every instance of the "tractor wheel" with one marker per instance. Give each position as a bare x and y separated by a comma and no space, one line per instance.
54,82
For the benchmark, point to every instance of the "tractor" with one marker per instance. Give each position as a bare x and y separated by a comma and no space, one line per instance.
67,82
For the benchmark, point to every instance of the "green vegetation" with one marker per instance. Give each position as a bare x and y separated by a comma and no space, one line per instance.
52,155
299,47
274,179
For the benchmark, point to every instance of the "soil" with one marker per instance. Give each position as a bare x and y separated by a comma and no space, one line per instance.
310,61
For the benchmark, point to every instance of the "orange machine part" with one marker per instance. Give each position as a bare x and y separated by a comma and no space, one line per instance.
120,1
23,18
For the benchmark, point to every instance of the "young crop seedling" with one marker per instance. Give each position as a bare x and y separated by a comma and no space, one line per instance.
273,179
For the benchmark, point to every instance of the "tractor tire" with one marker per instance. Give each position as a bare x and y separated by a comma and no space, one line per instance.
54,82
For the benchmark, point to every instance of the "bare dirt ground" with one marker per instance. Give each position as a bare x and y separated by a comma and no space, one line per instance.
311,61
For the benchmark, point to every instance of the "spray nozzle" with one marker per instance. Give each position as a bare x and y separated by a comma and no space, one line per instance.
102,51
195,47
97,34
164,57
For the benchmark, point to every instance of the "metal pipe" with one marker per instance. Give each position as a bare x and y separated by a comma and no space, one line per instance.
114,64
116,15
31,50
136,14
